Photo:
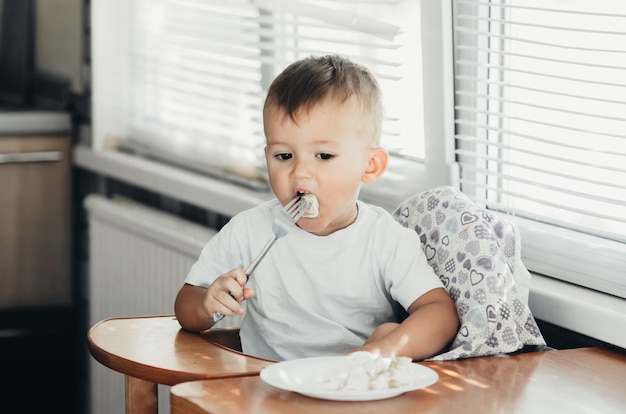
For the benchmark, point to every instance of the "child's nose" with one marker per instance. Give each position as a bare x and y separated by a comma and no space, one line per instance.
302,169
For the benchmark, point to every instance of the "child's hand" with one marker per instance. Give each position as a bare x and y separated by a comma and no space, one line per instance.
226,294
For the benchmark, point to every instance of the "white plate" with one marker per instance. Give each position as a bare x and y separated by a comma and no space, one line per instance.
310,376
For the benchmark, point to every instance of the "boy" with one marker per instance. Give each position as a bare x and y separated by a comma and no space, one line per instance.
332,285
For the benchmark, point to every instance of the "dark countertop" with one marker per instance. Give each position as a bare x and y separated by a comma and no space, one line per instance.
34,121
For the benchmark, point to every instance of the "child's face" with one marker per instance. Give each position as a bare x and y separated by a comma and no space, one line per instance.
326,154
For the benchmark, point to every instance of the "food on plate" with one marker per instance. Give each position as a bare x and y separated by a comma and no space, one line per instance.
367,371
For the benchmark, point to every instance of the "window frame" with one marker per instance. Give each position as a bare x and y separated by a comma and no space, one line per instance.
575,257
570,304
551,300
407,177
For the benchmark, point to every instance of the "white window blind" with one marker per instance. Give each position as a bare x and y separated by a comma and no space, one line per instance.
192,74
540,103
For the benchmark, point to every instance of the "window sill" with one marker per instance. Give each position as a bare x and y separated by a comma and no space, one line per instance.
581,310
588,312
193,188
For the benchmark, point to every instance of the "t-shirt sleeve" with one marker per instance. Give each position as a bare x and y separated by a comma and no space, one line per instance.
409,274
221,254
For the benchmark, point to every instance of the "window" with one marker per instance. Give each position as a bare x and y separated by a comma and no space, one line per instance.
522,102
540,121
185,80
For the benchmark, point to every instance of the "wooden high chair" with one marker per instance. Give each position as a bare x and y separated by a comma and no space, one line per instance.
155,350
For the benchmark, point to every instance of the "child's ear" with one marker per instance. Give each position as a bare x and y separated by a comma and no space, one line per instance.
376,166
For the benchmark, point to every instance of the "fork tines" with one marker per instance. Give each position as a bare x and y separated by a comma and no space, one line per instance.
297,207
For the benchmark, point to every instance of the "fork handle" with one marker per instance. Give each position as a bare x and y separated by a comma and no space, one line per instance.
260,256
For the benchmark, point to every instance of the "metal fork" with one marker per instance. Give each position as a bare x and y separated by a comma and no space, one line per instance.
283,222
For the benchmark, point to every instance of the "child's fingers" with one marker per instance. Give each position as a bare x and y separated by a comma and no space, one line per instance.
226,293
221,301
236,289
240,276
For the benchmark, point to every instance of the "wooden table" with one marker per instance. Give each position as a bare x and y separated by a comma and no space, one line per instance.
585,380
155,350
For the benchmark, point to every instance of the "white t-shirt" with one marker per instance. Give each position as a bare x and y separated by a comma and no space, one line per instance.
318,295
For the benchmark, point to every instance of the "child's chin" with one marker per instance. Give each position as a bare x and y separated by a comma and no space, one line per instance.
307,223
312,225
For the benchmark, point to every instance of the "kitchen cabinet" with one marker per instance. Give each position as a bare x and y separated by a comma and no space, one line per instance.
35,219
38,317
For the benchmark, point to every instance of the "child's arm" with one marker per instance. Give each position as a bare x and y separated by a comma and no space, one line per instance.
196,305
432,323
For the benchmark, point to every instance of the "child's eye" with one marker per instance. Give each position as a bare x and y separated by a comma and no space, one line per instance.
324,156
284,157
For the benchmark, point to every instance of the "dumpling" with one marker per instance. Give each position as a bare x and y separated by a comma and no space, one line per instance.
314,206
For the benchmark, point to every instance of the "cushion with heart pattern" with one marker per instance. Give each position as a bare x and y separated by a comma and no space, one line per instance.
476,254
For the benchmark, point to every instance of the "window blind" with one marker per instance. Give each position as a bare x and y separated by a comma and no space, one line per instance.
199,71
540,103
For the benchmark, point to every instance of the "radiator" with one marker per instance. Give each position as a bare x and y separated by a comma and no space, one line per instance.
138,259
